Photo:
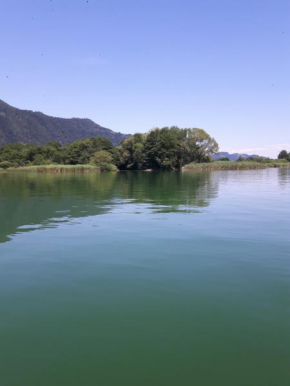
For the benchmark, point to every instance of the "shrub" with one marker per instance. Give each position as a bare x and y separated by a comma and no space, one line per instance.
284,155
5,164
39,160
103,159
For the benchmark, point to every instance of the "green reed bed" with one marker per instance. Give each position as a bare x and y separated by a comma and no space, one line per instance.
58,168
234,165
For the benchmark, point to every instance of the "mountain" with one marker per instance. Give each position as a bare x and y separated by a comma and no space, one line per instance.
232,157
27,126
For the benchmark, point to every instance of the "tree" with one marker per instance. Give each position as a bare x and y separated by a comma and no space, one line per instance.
103,159
5,164
200,145
284,155
40,160
54,144
168,148
165,148
130,154
80,152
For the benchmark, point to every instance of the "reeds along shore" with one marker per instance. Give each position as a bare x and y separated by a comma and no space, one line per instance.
209,166
59,169
234,165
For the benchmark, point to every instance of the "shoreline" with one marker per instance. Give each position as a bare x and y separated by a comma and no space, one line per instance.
56,169
194,167
234,165
216,168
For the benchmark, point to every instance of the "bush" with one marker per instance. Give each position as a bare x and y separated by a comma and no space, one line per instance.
103,159
108,168
40,160
5,164
101,156
284,155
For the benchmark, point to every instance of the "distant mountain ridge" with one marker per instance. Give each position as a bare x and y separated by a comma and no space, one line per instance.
234,156
27,126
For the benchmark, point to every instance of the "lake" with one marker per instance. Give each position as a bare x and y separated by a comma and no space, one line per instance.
138,278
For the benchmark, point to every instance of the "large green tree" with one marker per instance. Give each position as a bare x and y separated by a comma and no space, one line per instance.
130,154
200,145
168,148
284,155
165,148
80,152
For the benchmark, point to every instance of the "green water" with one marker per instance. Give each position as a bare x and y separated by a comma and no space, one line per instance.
145,279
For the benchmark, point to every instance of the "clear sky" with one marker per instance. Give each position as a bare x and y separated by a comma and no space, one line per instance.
130,65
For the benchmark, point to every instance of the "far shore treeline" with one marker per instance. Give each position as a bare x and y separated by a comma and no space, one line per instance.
169,148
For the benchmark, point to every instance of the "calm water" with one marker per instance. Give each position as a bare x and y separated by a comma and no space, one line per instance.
145,279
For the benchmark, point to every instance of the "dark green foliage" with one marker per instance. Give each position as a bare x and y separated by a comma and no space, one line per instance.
34,127
103,159
257,159
130,155
5,165
80,152
168,148
77,153
224,159
284,155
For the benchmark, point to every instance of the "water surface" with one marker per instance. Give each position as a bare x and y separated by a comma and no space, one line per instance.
145,279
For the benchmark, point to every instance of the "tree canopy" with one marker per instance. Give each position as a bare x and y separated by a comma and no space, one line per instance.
167,148
284,155
79,152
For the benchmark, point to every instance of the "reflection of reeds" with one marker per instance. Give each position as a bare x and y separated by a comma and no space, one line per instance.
59,168
233,165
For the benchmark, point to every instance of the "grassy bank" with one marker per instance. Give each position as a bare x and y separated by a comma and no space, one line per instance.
234,165
215,165
57,169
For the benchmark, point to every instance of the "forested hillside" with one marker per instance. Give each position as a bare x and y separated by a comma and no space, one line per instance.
36,128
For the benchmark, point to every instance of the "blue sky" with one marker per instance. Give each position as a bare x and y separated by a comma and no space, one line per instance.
131,65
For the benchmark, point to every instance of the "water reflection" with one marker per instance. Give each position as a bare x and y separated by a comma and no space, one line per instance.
284,176
30,201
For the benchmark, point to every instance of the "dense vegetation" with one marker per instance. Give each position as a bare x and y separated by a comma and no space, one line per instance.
166,149
81,152
58,168
34,127
284,155
169,148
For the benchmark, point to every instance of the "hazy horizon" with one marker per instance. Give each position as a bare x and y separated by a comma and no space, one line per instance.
131,66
